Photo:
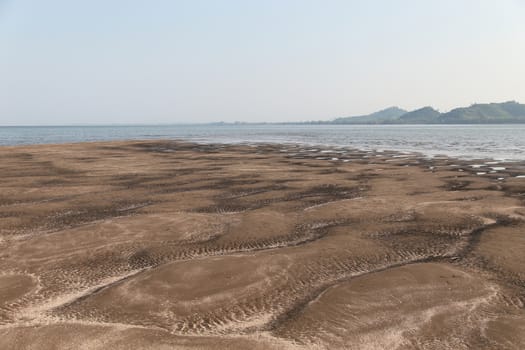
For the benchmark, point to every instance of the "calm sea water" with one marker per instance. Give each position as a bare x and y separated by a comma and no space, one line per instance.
464,141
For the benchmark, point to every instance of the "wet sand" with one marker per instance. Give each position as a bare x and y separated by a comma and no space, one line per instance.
173,245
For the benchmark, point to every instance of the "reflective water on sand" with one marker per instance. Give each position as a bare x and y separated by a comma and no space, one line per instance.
464,141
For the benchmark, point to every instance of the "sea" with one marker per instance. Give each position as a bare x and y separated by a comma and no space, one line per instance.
500,142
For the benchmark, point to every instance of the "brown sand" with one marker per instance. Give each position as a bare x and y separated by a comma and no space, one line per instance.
163,245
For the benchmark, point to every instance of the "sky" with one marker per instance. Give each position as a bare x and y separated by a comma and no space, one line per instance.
193,61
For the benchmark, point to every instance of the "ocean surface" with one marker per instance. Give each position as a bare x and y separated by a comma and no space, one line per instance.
505,142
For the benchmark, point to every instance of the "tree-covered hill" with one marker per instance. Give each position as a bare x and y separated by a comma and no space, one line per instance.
486,113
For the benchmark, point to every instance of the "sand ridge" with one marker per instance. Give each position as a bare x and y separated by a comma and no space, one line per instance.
164,244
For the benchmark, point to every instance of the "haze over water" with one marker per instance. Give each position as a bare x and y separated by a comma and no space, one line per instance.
464,141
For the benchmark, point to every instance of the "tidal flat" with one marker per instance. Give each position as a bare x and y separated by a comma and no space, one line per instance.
178,245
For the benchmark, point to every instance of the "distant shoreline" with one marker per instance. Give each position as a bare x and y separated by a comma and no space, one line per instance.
253,124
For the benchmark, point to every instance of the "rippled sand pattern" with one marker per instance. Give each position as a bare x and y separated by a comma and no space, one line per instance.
170,245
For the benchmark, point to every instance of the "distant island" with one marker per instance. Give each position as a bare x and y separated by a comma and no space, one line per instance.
483,113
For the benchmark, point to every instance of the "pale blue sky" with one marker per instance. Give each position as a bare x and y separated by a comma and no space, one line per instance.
130,61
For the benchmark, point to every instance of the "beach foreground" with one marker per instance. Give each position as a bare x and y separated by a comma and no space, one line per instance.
164,245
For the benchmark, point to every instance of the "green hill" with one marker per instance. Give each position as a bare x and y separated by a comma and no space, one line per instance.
425,115
506,112
380,117
487,113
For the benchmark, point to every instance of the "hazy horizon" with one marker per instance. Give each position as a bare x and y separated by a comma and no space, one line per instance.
218,122
132,62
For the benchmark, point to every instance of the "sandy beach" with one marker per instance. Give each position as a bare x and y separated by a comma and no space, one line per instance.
163,245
